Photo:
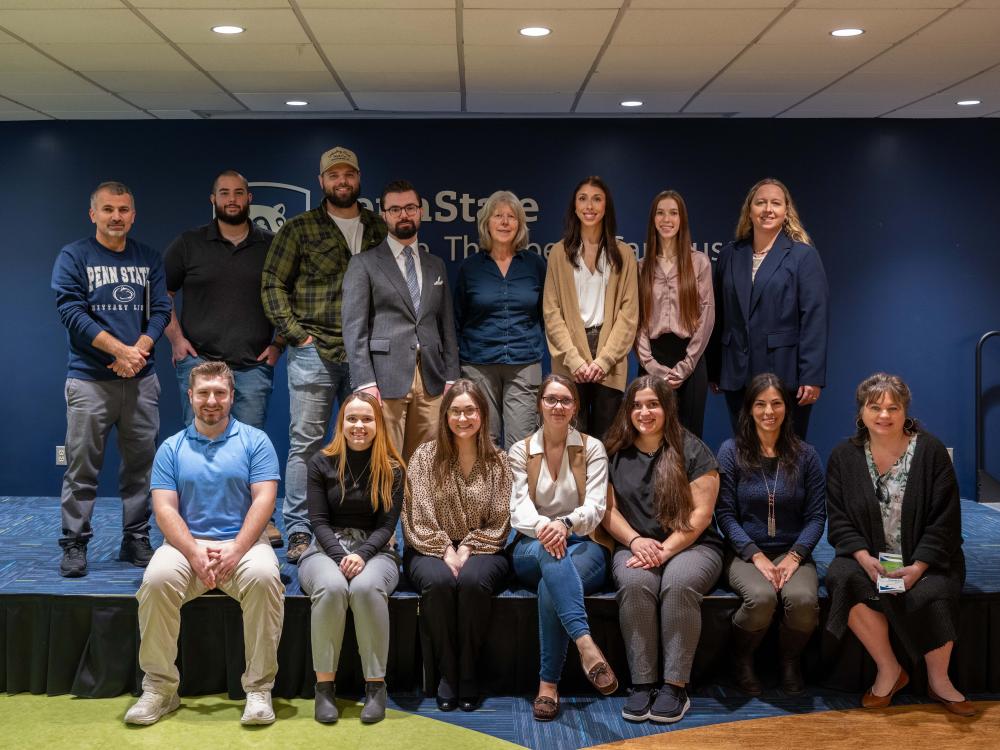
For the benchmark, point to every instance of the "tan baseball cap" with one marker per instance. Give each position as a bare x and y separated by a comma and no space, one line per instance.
338,155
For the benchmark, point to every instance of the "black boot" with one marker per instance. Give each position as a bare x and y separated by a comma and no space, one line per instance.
325,710
743,645
791,644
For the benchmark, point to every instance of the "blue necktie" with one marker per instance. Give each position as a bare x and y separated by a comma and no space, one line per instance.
411,279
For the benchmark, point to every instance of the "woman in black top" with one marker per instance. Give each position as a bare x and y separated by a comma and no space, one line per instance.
355,492
663,485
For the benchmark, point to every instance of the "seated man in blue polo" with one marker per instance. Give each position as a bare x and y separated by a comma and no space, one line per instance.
214,485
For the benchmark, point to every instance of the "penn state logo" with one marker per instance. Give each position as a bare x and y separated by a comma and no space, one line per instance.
276,202
123,293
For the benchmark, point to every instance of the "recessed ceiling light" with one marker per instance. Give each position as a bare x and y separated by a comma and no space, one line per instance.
535,31
968,102
631,103
296,103
228,29
847,32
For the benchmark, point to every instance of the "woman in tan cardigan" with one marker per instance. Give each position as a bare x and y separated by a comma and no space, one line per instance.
591,305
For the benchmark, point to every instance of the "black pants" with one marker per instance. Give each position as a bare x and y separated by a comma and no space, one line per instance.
455,612
598,403
668,350
799,414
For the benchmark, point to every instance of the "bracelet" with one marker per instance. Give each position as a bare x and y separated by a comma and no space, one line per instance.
794,555
629,545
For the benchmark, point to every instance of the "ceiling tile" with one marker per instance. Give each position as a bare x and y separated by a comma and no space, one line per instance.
95,56
569,27
530,5
724,4
542,102
76,26
166,100
22,58
665,66
489,68
200,4
156,82
379,27
886,26
93,102
255,57
273,26
692,27
964,26
99,114
173,114
54,82
388,4
397,67
319,101
57,4
276,81
876,4
749,104
409,101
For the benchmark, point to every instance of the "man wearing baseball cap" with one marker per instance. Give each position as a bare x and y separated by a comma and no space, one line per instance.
301,289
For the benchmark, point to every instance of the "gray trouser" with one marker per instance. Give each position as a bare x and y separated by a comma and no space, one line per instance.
798,596
511,391
169,582
367,594
664,603
92,408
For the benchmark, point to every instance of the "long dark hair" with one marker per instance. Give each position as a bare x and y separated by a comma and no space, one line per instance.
687,283
671,489
788,446
572,238
446,452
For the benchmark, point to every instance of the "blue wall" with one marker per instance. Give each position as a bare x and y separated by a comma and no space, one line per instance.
903,213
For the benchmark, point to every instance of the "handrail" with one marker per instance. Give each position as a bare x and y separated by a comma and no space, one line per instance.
980,459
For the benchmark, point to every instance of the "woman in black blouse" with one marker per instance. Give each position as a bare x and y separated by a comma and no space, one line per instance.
663,485
355,493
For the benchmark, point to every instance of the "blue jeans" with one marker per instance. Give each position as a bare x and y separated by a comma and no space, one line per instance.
253,389
561,586
313,386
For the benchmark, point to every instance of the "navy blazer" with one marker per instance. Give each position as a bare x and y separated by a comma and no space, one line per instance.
777,323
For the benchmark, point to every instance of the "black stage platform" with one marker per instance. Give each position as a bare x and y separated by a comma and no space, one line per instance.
80,636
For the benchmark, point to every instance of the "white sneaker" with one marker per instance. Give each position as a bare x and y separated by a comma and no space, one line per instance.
258,710
151,707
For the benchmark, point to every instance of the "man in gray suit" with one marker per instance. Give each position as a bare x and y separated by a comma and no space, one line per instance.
399,329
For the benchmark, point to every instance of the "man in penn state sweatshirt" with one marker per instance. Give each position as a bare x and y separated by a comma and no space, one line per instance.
111,296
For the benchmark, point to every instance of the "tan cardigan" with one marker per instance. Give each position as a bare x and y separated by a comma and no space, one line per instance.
564,324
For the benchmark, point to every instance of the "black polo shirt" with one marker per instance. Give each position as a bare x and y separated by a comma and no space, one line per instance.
221,311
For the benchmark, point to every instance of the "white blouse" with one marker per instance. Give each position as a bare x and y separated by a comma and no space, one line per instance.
590,289
558,497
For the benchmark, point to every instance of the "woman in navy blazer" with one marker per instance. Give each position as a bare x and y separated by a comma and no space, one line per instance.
771,302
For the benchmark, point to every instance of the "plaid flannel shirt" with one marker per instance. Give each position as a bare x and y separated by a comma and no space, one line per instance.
303,277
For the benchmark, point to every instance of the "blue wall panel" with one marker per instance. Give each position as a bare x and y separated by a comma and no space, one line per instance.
902,212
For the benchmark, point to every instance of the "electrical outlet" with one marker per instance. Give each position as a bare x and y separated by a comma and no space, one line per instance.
60,455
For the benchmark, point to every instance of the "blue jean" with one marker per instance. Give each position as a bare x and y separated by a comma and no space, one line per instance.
314,385
561,586
253,389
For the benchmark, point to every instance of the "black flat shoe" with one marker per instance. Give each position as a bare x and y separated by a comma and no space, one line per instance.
446,704
470,704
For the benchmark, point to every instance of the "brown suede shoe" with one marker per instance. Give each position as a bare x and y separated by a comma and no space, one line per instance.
870,700
959,708
274,536
602,678
544,708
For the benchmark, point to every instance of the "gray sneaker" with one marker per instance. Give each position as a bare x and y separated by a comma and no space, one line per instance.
258,709
151,707
375,700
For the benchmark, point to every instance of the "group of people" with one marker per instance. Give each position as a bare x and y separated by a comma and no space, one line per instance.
596,475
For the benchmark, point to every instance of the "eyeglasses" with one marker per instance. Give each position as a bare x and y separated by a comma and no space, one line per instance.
411,209
470,412
511,218
552,402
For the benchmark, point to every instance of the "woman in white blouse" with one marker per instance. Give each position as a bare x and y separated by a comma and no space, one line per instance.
558,498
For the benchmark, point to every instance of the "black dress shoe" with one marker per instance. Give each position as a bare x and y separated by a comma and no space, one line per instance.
470,704
447,704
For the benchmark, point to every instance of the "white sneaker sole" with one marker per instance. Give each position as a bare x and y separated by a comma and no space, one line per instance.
249,721
145,721
671,719
635,717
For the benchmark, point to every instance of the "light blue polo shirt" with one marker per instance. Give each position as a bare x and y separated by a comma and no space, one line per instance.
212,478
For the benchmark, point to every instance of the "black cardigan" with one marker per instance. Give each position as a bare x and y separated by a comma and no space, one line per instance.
931,530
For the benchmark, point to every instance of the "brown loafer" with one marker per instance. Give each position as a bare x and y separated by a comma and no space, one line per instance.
959,708
544,708
274,536
870,700
602,678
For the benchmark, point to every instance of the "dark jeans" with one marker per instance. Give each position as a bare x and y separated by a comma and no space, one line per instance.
455,612
799,414
668,350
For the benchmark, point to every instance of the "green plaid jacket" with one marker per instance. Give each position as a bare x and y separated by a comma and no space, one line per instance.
304,274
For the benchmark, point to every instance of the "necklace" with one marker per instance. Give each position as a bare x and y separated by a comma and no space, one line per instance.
355,482
772,527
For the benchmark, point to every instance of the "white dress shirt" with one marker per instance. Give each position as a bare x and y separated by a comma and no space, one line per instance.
397,248
590,289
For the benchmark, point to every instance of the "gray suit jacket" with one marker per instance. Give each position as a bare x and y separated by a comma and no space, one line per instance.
382,331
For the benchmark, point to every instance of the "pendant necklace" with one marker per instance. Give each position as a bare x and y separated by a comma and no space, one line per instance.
354,480
772,528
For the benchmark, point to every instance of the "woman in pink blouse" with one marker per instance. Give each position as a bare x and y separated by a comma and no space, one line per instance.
676,308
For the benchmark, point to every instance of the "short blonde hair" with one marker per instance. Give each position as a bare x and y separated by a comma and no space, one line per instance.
506,198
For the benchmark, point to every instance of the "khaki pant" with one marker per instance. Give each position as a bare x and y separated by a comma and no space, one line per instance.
413,419
169,582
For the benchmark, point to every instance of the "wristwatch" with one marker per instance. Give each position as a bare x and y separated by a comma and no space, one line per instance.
567,522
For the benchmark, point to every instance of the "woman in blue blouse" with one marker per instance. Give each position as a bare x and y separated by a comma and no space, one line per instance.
771,509
498,312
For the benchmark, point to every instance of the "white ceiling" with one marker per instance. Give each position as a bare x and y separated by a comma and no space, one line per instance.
142,59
